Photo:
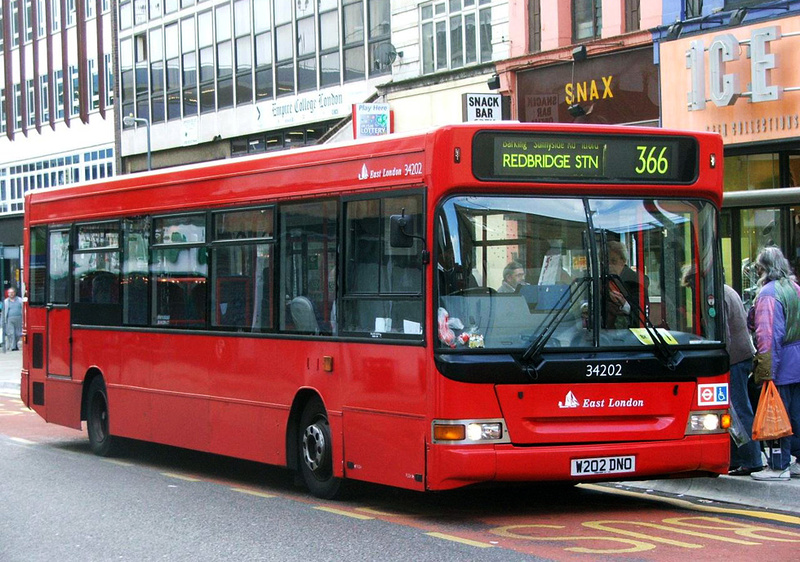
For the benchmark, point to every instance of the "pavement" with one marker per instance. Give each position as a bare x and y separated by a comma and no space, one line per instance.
739,490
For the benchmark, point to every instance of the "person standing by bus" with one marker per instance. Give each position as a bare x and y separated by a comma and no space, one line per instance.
777,323
747,458
12,319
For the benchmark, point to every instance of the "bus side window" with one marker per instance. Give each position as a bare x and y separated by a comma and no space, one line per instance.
96,274
180,271
135,276
38,267
383,283
58,267
309,246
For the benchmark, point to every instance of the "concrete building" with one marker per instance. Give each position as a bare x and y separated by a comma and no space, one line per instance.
221,78
449,48
56,117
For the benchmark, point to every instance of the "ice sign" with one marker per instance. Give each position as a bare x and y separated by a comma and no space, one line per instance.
712,394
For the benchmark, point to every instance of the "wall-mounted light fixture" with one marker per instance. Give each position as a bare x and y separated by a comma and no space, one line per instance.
738,16
674,31
576,110
131,121
579,53
494,82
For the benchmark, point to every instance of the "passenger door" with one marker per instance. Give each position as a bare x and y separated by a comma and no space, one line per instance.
59,334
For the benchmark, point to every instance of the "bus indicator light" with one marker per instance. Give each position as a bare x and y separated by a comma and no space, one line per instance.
443,432
467,432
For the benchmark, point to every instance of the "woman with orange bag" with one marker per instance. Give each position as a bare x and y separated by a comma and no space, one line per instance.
777,323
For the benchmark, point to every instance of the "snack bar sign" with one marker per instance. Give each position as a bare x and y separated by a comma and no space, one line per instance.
481,107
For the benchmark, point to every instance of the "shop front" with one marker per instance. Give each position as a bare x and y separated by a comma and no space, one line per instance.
744,83
619,87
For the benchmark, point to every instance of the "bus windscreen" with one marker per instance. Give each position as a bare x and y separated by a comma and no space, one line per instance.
585,158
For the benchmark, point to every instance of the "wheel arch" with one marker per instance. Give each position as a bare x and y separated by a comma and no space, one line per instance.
303,397
90,375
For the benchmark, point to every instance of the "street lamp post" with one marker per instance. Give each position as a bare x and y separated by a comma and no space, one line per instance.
129,121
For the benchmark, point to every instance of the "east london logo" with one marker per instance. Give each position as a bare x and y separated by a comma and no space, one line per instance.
571,401
367,174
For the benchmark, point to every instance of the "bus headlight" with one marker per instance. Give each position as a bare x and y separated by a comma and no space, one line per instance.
462,432
484,431
708,422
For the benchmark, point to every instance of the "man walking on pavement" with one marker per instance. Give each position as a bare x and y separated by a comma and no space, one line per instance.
12,319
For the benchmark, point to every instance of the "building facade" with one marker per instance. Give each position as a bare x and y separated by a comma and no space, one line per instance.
585,61
735,69
56,106
449,48
222,78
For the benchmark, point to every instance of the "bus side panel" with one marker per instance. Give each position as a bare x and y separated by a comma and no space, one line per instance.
33,349
385,448
179,389
63,402
384,417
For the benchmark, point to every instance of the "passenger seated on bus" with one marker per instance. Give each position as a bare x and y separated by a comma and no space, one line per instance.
197,303
623,287
104,288
303,316
513,276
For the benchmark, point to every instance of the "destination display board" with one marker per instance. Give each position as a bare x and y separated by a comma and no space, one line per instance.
585,158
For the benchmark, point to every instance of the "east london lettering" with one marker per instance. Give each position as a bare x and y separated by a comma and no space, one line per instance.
562,159
588,91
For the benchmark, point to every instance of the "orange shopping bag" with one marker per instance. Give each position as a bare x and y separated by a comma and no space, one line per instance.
771,420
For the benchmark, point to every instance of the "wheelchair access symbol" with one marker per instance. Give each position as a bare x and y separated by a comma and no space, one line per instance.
712,394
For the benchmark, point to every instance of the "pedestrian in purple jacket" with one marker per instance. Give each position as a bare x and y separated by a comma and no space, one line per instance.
777,323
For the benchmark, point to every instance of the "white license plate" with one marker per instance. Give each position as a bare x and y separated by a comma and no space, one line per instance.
603,465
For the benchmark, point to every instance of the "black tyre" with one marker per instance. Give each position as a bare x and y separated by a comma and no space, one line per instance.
101,441
315,446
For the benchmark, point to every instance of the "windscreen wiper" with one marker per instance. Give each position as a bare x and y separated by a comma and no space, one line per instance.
555,316
668,354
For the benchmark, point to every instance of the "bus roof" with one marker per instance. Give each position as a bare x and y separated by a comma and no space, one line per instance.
374,163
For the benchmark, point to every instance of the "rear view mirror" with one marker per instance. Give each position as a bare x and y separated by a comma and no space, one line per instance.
401,230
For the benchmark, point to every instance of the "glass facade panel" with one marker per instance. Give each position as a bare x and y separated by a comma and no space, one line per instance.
329,69
354,64
752,171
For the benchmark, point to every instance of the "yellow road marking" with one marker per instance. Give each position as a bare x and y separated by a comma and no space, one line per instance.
119,463
253,493
780,517
609,527
23,441
375,511
460,540
181,477
343,512
630,545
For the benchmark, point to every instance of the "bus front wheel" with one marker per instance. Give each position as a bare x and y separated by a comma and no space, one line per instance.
316,456
100,439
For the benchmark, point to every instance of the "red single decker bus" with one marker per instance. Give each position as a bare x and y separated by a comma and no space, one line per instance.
505,302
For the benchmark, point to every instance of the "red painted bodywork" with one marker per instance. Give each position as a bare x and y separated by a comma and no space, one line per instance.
232,395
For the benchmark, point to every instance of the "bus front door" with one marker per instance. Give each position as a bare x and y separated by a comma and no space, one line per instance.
62,395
